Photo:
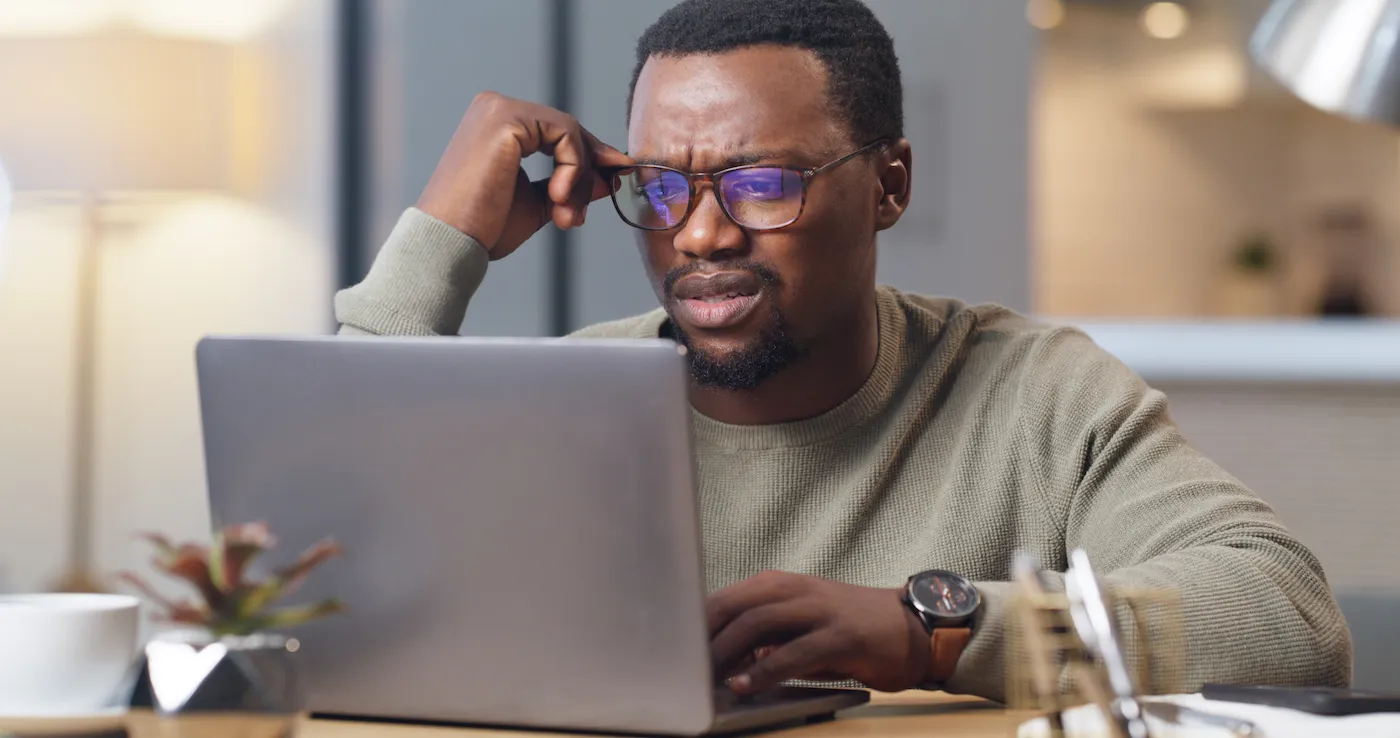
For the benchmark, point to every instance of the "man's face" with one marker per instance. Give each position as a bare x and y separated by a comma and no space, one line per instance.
747,303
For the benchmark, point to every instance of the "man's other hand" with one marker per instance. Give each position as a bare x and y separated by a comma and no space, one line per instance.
480,189
778,626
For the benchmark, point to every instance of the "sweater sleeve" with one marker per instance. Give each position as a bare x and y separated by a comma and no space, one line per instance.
420,282
1123,484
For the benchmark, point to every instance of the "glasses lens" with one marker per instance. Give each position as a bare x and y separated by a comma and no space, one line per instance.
762,197
651,197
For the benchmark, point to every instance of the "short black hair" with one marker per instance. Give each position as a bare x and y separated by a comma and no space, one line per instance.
862,69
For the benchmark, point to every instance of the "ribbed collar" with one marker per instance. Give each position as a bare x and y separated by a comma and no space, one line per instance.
874,396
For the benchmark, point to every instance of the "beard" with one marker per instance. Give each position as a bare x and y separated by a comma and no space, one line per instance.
747,367
771,352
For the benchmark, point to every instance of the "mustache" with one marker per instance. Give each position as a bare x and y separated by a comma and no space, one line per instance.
765,273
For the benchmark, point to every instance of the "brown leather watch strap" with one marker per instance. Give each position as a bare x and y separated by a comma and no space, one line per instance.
946,646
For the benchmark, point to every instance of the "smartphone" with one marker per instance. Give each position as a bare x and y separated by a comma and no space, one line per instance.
1316,700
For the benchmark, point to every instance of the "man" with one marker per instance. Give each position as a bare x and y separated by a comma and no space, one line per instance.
849,436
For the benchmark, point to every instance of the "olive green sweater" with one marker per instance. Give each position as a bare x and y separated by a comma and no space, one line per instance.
978,433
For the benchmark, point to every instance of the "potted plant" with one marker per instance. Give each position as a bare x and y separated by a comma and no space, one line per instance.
228,654
1250,286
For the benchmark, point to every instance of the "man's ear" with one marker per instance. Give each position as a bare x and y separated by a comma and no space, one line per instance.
896,176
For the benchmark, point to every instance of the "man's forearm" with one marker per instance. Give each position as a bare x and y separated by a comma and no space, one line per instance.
420,283
1248,616
1123,484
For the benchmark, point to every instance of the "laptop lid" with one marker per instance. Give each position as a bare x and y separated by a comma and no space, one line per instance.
518,517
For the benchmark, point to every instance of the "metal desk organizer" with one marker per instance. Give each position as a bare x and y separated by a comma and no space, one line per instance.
1067,648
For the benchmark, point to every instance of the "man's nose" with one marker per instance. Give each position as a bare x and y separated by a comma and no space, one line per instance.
708,234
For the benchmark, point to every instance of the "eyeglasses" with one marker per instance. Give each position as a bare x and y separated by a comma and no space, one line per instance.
759,197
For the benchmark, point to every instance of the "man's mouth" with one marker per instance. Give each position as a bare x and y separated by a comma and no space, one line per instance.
714,301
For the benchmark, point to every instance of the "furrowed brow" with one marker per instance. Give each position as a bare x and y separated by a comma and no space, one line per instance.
737,159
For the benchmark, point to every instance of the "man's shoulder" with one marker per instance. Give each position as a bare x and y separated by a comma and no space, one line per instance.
1055,370
646,325
996,333
990,322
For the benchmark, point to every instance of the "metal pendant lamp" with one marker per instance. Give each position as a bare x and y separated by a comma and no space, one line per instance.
1342,56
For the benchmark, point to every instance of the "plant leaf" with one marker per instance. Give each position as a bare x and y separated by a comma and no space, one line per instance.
188,614
258,598
237,556
293,576
234,549
218,571
191,563
293,616
145,589
251,534
162,544
284,581
232,604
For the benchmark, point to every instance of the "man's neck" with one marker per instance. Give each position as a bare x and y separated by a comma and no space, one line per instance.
827,374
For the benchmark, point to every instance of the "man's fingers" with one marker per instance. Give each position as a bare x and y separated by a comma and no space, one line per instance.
605,155
567,200
574,183
601,189
732,601
539,192
562,215
586,187
582,193
589,184
802,657
571,187
564,181
761,626
548,131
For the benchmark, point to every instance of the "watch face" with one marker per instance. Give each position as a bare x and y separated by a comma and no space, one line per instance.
944,595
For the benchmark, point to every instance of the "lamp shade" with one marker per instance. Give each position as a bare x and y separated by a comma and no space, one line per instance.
117,111
1342,56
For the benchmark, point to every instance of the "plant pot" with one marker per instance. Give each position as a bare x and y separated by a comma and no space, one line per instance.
235,686
1248,295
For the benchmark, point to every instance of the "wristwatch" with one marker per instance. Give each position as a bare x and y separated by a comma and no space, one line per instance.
947,604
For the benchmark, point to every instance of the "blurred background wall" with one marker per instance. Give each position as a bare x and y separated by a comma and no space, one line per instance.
1072,159
1158,161
189,149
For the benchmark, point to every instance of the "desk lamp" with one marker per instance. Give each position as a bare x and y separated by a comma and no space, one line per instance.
1341,56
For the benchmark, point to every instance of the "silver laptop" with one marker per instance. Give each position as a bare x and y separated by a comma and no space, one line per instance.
519,524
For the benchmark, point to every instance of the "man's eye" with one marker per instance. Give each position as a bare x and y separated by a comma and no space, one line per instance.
760,190
662,193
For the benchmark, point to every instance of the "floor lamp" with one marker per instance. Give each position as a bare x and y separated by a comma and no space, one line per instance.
100,115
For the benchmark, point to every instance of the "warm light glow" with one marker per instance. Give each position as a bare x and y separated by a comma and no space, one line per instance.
223,20
1165,20
1211,77
1045,14
215,20
55,17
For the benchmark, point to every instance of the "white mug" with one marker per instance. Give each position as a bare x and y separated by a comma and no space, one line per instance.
65,654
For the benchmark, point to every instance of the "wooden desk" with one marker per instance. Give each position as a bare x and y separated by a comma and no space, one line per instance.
904,715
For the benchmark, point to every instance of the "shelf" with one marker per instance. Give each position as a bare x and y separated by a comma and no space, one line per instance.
1324,351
